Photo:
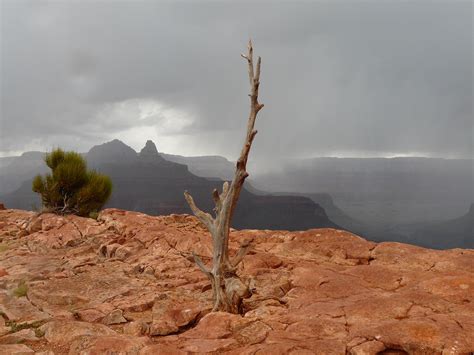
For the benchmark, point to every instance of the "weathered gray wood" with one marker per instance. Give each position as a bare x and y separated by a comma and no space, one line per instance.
228,288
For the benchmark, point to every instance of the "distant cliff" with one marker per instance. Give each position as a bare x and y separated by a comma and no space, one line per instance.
163,178
148,183
381,191
205,166
15,170
449,234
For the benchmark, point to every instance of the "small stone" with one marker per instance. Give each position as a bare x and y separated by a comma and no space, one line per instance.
114,317
149,270
122,253
109,250
368,348
89,315
35,225
135,328
163,328
170,314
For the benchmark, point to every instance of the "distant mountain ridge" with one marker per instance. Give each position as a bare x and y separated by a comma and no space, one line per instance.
359,195
15,170
449,234
212,166
114,150
18,169
381,191
146,182
341,218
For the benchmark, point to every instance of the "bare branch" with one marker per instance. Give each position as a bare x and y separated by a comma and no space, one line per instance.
249,57
217,200
201,265
252,136
257,74
244,248
204,217
225,189
241,166
215,195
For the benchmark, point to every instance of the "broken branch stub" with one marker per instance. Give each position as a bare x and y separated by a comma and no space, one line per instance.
228,288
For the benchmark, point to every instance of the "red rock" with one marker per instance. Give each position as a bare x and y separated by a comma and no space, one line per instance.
161,350
114,317
138,302
379,308
64,332
316,328
15,349
135,328
216,325
207,345
321,291
51,221
35,225
20,310
373,347
253,333
458,288
89,315
2,207
108,344
170,313
3,328
19,337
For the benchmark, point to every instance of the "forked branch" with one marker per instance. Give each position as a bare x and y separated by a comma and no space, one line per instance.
228,288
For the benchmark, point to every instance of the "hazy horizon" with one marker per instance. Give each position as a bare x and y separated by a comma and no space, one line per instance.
360,79
137,148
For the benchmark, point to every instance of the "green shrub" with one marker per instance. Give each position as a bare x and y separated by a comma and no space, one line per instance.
71,188
21,290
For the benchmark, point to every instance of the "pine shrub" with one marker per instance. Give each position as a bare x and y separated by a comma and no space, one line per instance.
71,188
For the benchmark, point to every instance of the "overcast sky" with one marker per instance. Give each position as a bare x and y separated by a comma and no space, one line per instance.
339,78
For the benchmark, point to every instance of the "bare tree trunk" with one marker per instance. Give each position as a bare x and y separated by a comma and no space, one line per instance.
228,288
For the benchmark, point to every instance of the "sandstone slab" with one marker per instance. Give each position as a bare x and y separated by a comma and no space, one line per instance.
64,332
128,283
16,349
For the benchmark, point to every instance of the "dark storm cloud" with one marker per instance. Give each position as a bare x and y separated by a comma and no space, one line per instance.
352,78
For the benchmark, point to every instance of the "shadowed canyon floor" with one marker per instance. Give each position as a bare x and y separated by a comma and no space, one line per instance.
126,284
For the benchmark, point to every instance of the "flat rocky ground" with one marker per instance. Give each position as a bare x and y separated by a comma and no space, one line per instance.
126,284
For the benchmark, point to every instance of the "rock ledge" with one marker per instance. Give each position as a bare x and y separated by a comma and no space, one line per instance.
127,283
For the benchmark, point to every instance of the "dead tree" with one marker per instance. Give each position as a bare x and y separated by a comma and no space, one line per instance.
228,288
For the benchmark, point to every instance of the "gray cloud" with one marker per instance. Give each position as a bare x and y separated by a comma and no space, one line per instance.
339,78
